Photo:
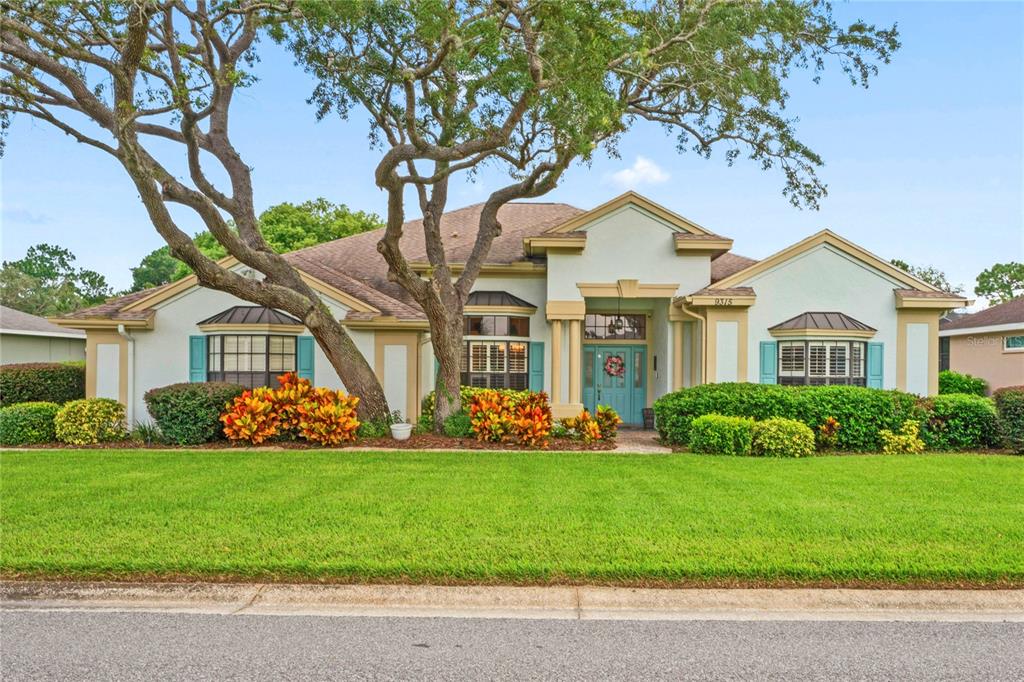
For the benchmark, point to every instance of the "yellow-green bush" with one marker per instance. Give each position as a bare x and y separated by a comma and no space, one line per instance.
904,442
716,434
782,438
90,420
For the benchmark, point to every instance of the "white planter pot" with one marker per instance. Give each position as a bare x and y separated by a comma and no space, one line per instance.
401,431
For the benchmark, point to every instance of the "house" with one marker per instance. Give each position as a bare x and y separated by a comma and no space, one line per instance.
616,305
988,344
28,338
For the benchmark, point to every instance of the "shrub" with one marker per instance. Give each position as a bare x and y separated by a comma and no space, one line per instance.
467,393
491,415
89,421
327,417
779,437
147,433
905,442
376,428
959,421
608,421
1010,416
517,416
582,427
27,423
955,382
189,414
52,382
459,425
532,421
715,434
828,433
863,412
288,398
251,417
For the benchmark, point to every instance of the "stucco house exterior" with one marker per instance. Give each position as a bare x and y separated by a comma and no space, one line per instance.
30,338
616,305
988,344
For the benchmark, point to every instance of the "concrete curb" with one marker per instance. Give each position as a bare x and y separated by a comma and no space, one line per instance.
562,602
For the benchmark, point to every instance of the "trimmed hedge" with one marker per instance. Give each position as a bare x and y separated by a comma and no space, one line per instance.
778,437
861,412
189,414
959,421
715,434
28,423
955,382
52,382
90,421
1010,417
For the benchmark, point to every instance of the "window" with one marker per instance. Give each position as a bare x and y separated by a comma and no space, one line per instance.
943,353
598,326
497,325
821,363
496,364
1013,343
250,360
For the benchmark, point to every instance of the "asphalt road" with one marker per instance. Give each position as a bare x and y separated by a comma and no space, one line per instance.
93,645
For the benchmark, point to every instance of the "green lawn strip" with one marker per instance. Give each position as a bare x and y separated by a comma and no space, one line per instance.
512,517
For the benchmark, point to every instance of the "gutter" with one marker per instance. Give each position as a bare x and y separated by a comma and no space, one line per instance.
681,304
130,397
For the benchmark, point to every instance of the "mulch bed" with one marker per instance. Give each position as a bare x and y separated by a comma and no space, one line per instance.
420,441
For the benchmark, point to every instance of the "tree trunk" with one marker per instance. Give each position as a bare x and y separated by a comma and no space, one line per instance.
446,339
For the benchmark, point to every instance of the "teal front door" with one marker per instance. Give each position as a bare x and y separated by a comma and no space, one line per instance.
616,376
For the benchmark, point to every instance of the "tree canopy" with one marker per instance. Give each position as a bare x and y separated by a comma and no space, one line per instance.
1001,282
46,282
930,274
286,227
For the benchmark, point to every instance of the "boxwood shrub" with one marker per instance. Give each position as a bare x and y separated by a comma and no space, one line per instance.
53,382
28,423
959,421
779,437
189,414
715,434
1010,417
89,421
861,412
955,382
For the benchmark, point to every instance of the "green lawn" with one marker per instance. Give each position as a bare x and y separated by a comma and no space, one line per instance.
512,517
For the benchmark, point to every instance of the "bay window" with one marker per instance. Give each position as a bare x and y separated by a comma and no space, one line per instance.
820,363
496,363
249,359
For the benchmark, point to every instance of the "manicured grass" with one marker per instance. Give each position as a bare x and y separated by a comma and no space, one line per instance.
513,517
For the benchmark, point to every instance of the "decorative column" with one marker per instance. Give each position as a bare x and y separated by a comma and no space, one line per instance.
677,355
556,361
575,357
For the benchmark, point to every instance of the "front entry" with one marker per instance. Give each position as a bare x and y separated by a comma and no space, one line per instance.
616,375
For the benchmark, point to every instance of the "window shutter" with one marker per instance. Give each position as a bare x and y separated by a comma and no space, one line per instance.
769,362
304,357
536,366
197,359
876,359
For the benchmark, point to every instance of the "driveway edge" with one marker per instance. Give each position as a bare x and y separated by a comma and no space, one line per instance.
562,602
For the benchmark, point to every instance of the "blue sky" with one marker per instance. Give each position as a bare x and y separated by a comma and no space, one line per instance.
925,165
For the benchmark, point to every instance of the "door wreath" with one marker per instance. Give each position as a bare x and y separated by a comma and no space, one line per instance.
614,366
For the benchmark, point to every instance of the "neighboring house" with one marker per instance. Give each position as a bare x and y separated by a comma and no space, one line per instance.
27,338
987,344
617,305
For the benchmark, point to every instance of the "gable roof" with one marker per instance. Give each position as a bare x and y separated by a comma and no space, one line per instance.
624,199
16,322
832,239
1009,313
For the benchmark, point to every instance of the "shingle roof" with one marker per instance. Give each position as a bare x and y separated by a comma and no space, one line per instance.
731,291
250,314
497,298
1010,312
14,321
817,320
729,264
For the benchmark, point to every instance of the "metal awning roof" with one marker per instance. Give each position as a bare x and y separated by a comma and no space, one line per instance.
497,298
831,321
250,314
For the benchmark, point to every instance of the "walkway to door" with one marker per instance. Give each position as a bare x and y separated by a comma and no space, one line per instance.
640,442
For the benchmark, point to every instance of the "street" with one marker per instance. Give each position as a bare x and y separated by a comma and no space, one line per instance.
100,645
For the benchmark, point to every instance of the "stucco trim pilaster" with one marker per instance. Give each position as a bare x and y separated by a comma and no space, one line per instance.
93,338
904,317
727,314
411,341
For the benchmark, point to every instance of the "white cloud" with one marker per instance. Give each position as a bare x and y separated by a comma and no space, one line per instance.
642,172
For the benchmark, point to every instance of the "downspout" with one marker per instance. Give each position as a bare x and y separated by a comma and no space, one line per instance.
681,304
130,398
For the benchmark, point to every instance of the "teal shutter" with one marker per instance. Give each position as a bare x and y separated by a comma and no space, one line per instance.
196,359
304,357
536,366
769,362
876,359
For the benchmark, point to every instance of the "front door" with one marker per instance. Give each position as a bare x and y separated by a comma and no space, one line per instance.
616,375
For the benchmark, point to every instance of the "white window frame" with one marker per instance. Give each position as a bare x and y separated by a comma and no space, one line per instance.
1007,348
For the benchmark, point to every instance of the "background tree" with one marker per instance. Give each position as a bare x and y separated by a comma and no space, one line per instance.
286,227
46,282
529,87
143,80
1001,282
930,274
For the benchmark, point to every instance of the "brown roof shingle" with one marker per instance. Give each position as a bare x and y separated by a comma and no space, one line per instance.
1011,312
13,321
